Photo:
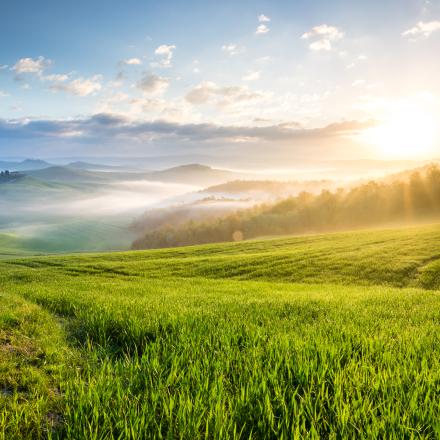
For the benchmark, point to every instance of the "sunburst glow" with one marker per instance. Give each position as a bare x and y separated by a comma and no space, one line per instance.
410,132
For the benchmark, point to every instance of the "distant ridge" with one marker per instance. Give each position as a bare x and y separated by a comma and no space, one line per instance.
194,174
25,165
80,165
65,174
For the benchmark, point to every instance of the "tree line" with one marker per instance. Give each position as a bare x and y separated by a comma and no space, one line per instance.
7,175
414,197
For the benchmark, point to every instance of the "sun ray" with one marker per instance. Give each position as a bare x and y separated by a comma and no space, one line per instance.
409,132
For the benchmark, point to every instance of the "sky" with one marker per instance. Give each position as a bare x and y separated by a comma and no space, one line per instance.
272,82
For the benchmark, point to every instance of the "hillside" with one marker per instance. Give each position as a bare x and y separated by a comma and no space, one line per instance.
403,257
273,187
226,341
28,183
81,165
61,236
64,209
66,174
193,174
25,165
208,208
198,175
413,197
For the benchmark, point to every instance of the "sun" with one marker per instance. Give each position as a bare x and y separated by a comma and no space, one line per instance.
409,132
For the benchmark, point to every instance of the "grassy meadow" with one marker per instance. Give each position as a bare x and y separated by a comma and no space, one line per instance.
321,336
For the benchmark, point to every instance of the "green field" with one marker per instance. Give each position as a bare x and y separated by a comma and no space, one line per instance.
61,235
323,336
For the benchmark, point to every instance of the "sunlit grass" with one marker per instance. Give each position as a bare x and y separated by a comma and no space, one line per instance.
307,337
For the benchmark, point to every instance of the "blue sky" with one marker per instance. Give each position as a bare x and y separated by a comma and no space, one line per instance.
296,78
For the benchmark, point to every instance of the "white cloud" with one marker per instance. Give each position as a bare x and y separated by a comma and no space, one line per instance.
153,84
323,36
161,109
3,66
209,92
262,29
56,77
323,30
263,18
3,94
133,62
32,65
251,76
165,52
79,86
321,45
118,97
164,49
422,30
233,49
202,93
106,103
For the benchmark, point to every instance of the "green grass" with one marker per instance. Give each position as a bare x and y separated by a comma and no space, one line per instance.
62,236
33,353
329,336
11,245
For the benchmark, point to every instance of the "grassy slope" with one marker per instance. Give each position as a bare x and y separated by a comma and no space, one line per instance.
55,233
406,257
73,236
9,246
293,337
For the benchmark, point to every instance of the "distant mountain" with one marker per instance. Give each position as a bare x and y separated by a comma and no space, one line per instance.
79,165
66,174
83,172
25,165
194,174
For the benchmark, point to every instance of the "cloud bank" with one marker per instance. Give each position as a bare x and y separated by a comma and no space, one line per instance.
111,128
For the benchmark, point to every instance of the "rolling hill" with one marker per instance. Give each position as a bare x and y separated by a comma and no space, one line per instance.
80,165
25,165
193,174
322,336
199,175
66,174
62,208
410,197
270,187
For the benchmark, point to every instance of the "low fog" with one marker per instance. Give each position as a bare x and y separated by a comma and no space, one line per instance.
81,207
